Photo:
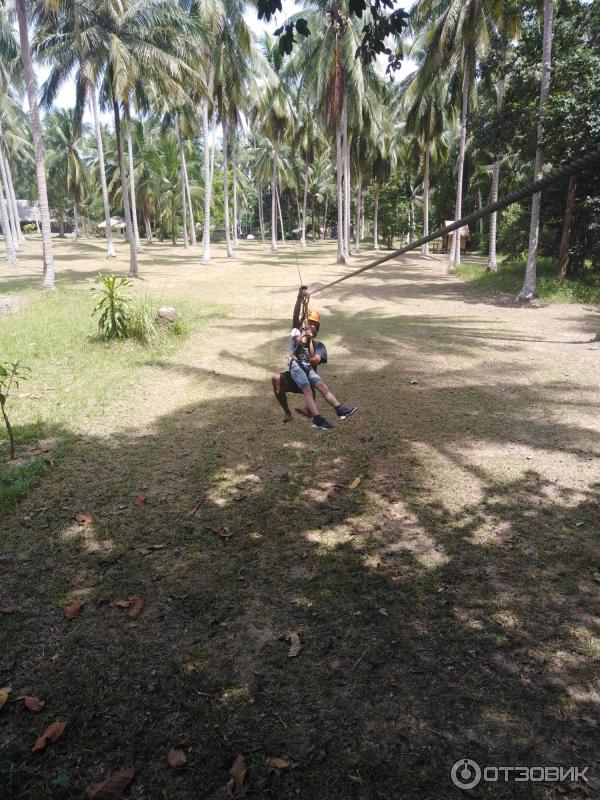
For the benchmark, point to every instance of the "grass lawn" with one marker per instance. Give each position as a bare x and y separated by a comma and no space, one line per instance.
365,606
509,279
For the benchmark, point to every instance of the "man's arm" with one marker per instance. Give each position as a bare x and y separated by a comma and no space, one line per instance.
298,307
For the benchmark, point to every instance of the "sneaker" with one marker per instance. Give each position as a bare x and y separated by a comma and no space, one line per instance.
344,412
322,424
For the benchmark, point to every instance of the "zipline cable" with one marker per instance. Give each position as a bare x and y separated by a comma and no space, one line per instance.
589,161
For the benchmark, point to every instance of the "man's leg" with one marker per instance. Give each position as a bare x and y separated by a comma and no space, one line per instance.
309,400
342,411
280,387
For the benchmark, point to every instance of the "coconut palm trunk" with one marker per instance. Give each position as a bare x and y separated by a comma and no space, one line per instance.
492,259
358,214
11,256
75,222
325,215
376,219
38,147
426,198
136,233
148,227
133,265
184,214
188,194
110,248
207,184
304,199
261,214
280,216
226,188
339,169
10,210
235,199
565,241
274,201
529,284
455,249
11,199
346,167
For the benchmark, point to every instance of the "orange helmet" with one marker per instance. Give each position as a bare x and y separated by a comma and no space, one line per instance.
314,316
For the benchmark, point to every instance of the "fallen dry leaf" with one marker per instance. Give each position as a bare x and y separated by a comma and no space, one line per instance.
223,532
122,603
140,500
295,644
8,610
279,763
73,610
83,519
146,549
27,518
34,703
383,612
4,696
51,734
176,757
238,773
137,604
112,787
355,483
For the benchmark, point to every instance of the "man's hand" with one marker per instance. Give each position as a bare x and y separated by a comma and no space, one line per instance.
301,291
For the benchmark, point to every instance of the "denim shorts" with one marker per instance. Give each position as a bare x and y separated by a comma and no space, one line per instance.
300,377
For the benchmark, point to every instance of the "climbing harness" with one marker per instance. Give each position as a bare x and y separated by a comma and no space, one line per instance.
589,161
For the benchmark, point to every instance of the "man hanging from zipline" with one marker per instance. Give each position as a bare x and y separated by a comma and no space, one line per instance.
306,354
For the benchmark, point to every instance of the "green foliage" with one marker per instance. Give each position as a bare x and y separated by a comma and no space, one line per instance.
509,279
141,323
29,227
113,306
11,372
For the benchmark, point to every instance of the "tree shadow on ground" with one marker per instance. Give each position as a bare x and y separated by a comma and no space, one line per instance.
430,630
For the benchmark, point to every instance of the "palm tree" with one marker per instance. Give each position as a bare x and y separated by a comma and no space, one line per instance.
38,146
454,35
427,118
63,160
529,284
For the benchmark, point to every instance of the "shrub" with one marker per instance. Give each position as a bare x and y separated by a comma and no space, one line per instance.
141,323
29,227
113,306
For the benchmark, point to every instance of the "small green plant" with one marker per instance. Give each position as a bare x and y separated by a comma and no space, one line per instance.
29,227
113,306
142,325
11,372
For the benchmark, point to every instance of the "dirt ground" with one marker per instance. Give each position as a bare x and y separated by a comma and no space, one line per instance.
445,605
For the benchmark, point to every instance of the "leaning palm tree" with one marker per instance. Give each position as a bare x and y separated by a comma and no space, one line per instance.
38,146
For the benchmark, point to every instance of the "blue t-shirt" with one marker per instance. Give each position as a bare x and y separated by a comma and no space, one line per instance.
301,353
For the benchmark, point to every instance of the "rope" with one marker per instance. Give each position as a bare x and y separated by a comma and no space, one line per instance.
588,161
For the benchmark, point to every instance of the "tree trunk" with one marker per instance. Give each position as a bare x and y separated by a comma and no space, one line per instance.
148,226
11,256
261,214
136,233
376,219
358,212
235,202
274,201
565,242
529,284
347,201
188,194
75,222
339,169
280,216
133,265
501,85
61,224
184,210
226,190
13,221
207,185
303,234
110,249
426,198
38,147
325,215
479,207
13,200
455,249
313,218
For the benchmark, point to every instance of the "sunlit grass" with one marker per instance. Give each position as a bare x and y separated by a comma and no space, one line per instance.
509,279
